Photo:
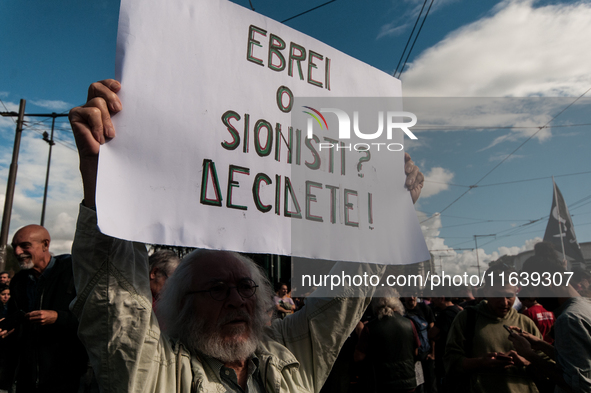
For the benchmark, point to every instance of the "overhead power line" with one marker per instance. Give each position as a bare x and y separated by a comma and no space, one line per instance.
510,154
534,134
524,233
62,142
305,12
6,109
584,204
415,40
468,128
510,182
409,38
514,231
534,179
572,205
473,218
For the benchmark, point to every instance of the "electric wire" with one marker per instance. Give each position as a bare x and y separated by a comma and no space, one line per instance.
310,10
409,38
510,154
510,182
65,143
515,231
473,218
416,37
5,108
468,128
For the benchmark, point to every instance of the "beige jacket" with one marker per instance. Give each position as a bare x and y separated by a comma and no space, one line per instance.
129,353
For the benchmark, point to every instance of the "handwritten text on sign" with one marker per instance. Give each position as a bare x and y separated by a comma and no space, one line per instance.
212,148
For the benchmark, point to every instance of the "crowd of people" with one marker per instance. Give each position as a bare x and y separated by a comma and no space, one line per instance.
110,317
448,342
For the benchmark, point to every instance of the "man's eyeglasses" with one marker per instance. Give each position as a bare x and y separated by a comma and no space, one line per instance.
246,288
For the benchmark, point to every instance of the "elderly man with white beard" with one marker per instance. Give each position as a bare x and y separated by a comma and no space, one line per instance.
212,334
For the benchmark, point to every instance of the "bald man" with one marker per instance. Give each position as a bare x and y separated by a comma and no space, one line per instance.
50,356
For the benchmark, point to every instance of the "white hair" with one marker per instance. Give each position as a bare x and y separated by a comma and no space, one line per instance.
387,304
164,260
180,319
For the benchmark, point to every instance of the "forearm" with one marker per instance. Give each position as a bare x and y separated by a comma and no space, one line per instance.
491,360
547,368
545,347
88,170
471,364
113,305
316,333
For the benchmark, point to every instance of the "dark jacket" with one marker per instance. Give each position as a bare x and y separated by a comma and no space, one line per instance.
50,357
391,351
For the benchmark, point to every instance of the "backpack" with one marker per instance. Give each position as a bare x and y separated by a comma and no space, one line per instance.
422,329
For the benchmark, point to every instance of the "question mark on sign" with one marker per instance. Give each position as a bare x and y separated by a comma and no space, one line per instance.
362,160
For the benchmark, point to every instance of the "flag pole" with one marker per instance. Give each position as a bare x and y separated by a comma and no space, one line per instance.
558,218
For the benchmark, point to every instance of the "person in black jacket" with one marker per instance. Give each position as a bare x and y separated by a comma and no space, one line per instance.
48,355
424,322
389,343
438,333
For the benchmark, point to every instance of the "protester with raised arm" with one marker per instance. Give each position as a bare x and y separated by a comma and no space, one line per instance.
213,308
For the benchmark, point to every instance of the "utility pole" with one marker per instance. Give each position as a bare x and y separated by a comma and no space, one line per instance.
51,143
13,170
10,185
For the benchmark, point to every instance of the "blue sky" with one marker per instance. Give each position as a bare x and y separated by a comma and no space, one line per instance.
52,51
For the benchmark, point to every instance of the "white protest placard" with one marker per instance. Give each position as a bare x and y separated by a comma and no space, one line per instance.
212,146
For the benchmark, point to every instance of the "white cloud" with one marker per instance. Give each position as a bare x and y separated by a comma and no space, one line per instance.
529,245
514,118
392,29
59,246
64,195
403,21
436,181
430,226
55,105
503,155
10,106
462,261
520,50
7,125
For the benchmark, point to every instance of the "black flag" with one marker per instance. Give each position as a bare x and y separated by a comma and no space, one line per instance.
561,224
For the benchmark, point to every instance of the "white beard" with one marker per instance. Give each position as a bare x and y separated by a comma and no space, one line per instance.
26,264
209,341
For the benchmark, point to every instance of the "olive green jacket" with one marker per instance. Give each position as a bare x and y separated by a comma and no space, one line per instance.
129,353
489,336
